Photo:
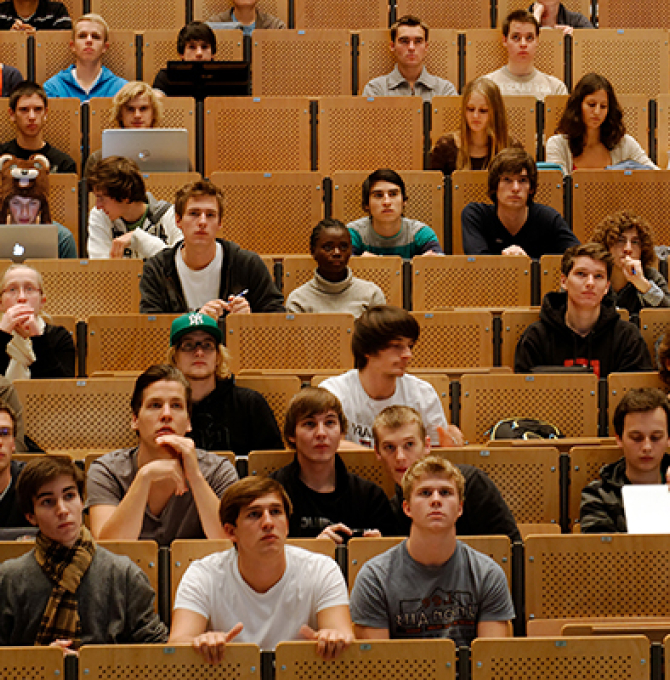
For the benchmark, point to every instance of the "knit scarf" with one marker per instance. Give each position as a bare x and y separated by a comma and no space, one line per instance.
21,355
64,567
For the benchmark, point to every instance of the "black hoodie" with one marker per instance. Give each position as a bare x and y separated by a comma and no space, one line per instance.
613,345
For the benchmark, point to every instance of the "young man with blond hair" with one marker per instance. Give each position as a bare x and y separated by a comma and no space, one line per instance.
87,77
401,440
431,585
264,591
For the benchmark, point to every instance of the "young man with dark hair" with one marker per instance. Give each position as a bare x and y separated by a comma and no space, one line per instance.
28,108
10,512
521,39
127,220
386,231
34,15
164,488
68,591
642,430
409,44
196,42
431,585
203,273
580,326
264,591
401,440
246,13
382,347
328,501
87,77
225,417
514,224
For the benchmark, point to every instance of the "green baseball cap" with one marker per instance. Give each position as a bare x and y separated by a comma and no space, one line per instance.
194,321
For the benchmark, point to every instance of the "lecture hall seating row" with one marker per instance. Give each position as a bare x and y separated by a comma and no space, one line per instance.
373,14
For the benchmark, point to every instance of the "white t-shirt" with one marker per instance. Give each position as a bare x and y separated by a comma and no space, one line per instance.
203,285
361,410
537,84
214,588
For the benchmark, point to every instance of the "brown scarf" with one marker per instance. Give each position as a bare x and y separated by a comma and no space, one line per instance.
64,567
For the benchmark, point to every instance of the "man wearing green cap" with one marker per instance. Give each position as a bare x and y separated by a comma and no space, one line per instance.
164,488
225,417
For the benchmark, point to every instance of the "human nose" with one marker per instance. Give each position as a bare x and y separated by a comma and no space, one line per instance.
267,518
61,507
320,430
407,352
166,412
435,497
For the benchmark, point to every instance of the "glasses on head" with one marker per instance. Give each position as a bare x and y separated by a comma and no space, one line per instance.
28,289
189,346
6,432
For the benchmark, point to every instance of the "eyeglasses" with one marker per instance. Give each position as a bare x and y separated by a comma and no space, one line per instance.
190,347
28,289
6,432
622,241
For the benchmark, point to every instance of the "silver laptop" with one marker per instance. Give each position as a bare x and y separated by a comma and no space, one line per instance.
153,149
21,241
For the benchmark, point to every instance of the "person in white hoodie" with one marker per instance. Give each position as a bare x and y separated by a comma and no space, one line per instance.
127,221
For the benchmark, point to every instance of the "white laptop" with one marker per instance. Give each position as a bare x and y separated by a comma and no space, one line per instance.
153,149
21,241
647,508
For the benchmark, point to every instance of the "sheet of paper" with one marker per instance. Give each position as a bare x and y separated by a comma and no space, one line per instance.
647,508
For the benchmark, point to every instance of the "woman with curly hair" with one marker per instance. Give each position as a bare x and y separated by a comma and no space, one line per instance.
634,282
483,131
591,132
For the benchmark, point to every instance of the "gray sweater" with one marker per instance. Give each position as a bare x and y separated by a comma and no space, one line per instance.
115,601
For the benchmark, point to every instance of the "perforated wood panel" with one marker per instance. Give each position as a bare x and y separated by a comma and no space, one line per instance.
143,553
485,53
521,120
446,116
388,659
528,479
599,193
568,401
634,61
84,287
376,59
31,663
63,201
53,54
622,14
572,575
159,47
386,272
654,322
277,390
178,112
635,114
619,383
164,185
425,192
361,132
271,212
507,6
550,273
78,414
472,185
468,281
514,323
127,342
289,341
453,340
451,14
204,9
580,658
324,57
250,134
122,662
585,464
14,50
348,14
360,550
142,14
